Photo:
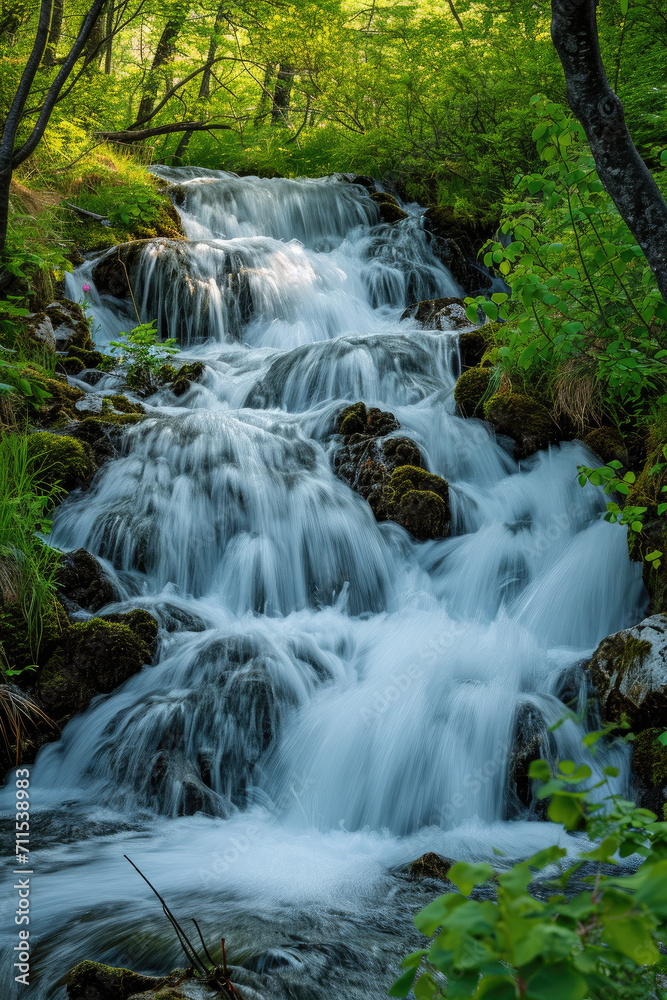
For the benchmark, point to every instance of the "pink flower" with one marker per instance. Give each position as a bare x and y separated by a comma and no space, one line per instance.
86,288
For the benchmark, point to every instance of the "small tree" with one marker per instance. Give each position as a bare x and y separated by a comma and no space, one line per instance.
623,173
11,155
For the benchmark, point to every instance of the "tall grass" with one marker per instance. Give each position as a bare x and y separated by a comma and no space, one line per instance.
27,564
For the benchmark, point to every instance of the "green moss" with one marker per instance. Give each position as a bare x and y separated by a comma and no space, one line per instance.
94,657
473,345
359,419
139,621
522,418
649,758
121,403
608,444
633,650
90,359
103,982
430,866
72,365
417,500
23,647
60,459
471,388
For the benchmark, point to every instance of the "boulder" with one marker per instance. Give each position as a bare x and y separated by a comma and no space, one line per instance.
388,473
447,313
93,658
471,389
390,210
431,866
455,240
608,444
60,460
527,421
94,981
70,324
629,671
38,330
81,579
114,268
473,345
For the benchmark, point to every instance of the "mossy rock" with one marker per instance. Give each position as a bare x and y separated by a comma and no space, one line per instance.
141,622
112,270
60,407
608,444
90,359
523,419
123,404
185,376
471,388
416,499
72,365
473,345
390,210
629,671
81,579
358,419
431,865
649,758
95,657
60,459
95,981
20,647
70,324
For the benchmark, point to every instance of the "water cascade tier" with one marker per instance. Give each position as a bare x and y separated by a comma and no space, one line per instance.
331,698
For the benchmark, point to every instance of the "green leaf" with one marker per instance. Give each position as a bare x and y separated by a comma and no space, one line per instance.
402,986
558,981
465,876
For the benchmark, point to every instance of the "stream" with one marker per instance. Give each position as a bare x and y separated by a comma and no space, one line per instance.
331,698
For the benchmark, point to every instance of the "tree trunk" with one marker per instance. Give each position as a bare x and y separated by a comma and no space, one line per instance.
93,51
205,85
54,32
281,95
625,176
263,106
166,48
108,50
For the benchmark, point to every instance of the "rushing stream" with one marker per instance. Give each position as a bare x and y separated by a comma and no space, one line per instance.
331,698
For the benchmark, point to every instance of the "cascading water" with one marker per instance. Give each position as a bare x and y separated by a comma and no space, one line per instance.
331,698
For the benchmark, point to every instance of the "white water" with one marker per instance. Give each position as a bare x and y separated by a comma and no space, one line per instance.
331,697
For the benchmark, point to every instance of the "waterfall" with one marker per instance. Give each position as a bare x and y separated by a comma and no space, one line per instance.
331,698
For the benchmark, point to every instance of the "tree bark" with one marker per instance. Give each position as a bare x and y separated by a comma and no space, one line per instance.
55,31
625,176
205,85
164,52
281,95
108,46
134,135
265,97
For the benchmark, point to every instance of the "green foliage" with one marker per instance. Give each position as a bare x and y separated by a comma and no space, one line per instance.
580,287
509,943
633,514
144,355
27,564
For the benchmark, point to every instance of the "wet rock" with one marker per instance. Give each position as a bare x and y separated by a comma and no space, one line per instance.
521,418
390,210
59,407
18,643
117,270
140,622
81,579
362,180
455,240
95,981
60,459
473,345
447,313
531,740
629,671
38,331
471,389
608,444
431,866
185,376
73,366
70,325
649,768
94,658
388,472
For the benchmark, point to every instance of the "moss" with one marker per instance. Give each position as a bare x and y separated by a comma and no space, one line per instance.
67,313
431,866
471,388
185,376
72,365
20,647
608,444
522,418
649,758
647,492
60,459
473,345
390,210
417,500
94,658
358,419
122,403
102,982
139,621
90,359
